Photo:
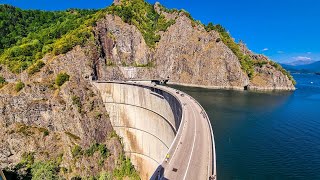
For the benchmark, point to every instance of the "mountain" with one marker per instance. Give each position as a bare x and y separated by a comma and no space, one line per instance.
300,62
308,68
51,115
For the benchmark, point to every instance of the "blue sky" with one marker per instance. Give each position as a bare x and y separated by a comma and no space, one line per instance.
284,30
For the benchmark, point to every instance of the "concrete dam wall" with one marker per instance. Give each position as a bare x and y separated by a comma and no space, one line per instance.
146,118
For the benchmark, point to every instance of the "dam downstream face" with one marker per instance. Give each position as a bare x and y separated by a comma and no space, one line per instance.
147,119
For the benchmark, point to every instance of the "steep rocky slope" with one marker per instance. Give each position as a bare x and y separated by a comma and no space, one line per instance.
186,54
67,126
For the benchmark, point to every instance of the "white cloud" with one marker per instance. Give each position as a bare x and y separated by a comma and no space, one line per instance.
265,49
302,58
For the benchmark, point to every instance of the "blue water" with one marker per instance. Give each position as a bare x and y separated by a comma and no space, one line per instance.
265,135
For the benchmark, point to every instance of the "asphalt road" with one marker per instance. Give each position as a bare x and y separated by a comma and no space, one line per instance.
190,156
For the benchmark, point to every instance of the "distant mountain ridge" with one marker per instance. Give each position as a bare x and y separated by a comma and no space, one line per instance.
308,68
300,62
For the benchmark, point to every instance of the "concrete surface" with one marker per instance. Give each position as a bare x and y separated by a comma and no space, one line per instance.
155,121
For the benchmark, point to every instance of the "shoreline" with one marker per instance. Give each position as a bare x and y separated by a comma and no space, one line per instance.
235,88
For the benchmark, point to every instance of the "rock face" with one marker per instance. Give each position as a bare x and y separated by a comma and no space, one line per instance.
268,78
186,54
49,121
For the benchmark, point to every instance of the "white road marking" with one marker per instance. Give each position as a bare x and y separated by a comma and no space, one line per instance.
194,140
174,152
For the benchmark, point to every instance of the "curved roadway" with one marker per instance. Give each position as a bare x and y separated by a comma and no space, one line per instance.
192,153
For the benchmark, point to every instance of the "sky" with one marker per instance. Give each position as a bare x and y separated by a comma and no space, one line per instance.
284,30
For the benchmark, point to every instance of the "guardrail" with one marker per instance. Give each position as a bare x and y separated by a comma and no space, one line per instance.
212,138
214,170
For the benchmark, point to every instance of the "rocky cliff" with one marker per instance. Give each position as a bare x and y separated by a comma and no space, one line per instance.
186,54
65,126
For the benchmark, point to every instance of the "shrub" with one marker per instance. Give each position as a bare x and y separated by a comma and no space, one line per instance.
92,149
2,81
104,151
62,78
19,86
27,159
35,67
76,151
77,102
105,176
125,169
72,136
44,170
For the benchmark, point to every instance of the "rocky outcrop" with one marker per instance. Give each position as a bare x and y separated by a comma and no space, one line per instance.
186,54
269,78
190,55
50,121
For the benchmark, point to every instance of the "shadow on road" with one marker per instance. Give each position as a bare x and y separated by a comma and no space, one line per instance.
158,174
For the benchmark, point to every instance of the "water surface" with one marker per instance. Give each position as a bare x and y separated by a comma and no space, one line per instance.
265,135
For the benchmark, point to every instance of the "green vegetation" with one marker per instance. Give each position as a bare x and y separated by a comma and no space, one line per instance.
35,67
96,147
27,35
72,136
149,64
39,170
278,67
19,86
125,169
44,170
77,102
27,160
144,17
62,78
2,81
76,151
246,61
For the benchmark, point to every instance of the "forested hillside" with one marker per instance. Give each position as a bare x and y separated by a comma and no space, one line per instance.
27,35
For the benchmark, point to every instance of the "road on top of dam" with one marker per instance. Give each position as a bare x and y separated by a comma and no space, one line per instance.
190,155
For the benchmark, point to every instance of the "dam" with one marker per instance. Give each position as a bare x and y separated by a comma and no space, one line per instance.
165,132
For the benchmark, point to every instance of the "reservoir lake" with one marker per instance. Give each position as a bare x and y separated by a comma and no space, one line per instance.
273,135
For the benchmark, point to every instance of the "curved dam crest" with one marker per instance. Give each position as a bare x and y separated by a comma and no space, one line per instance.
152,121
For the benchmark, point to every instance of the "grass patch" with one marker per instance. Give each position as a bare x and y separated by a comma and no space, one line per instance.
3,81
36,67
61,79
96,147
76,101
19,86
125,169
72,136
